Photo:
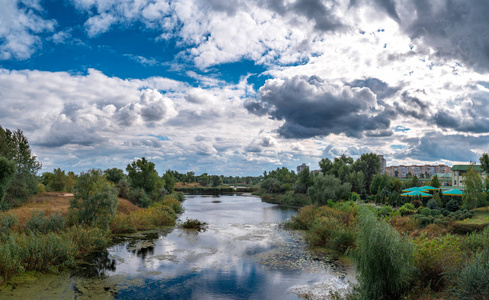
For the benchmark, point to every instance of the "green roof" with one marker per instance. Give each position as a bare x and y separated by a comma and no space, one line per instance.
443,175
466,167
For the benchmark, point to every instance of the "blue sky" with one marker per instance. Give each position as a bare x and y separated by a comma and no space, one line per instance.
238,87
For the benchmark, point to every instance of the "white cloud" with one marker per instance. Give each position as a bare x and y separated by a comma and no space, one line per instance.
20,29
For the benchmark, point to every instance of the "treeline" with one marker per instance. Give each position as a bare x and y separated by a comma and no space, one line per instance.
342,178
206,180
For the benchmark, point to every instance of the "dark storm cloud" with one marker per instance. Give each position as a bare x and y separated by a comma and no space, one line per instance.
412,106
436,146
378,87
67,133
455,29
312,107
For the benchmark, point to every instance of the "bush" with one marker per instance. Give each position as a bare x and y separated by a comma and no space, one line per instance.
425,212
477,241
385,211
432,204
139,197
464,228
193,224
86,239
7,221
472,281
173,203
452,205
123,189
95,202
38,223
143,219
435,257
384,259
41,189
416,203
330,233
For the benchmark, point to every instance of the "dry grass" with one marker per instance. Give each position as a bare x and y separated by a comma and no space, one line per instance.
187,184
52,202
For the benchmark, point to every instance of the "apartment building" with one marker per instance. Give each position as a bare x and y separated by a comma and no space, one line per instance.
421,171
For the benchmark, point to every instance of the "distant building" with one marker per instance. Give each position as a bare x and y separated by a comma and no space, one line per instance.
301,167
423,171
383,164
445,179
459,170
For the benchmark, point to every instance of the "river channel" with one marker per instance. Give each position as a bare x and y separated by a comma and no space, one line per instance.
243,253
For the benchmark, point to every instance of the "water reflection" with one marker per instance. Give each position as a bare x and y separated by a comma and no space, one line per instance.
243,254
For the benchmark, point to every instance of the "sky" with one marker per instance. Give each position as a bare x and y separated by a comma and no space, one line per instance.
237,87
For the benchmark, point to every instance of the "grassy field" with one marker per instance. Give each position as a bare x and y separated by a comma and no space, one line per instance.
52,203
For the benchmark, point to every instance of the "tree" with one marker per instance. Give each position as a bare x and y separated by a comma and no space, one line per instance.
304,181
369,164
14,146
414,181
325,165
435,182
396,173
357,181
114,175
328,187
215,181
203,179
473,195
7,173
169,181
95,202
484,160
142,174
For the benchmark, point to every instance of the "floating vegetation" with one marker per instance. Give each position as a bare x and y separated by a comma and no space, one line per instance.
194,224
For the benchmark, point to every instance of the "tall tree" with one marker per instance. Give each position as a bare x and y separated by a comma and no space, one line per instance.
142,174
484,160
304,181
473,195
169,181
14,146
114,175
369,164
435,182
7,173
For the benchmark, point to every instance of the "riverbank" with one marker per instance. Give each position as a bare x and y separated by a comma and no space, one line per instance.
441,262
287,199
39,236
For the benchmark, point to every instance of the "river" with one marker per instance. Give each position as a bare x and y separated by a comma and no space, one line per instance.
242,254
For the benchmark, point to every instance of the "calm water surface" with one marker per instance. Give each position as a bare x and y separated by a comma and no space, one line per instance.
243,254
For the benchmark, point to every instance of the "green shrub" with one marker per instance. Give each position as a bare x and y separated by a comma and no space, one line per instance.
139,197
95,201
330,233
38,223
435,212
7,221
425,212
435,257
193,224
384,259
464,228
173,203
385,211
432,204
452,205
41,189
472,281
123,189
476,241
86,239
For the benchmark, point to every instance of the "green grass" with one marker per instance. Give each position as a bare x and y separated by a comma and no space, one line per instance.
481,216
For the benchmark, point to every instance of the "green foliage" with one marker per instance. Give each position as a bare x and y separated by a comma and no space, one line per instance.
333,227
414,181
271,186
123,189
484,160
169,181
472,281
473,195
14,146
435,257
435,182
173,202
369,165
142,174
354,197
40,224
7,221
7,173
139,197
95,201
193,224
41,189
432,204
215,180
384,258
452,205
85,239
328,187
385,211
114,175
304,181
380,182
156,215
477,241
